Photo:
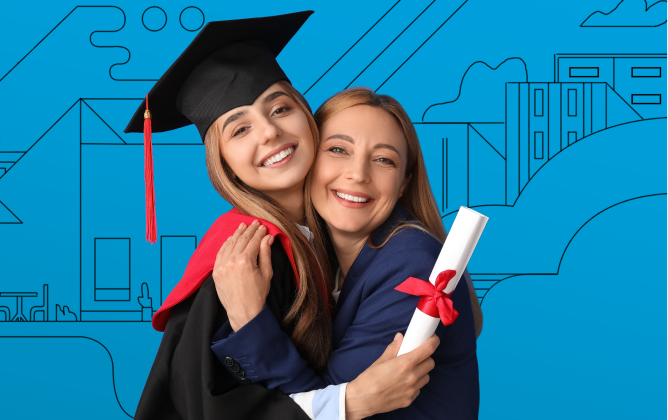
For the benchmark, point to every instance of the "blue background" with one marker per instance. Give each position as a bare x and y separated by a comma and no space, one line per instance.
555,111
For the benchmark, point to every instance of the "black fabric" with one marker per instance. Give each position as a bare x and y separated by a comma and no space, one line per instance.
228,64
187,381
231,77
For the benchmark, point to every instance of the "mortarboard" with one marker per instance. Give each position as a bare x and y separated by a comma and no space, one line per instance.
228,64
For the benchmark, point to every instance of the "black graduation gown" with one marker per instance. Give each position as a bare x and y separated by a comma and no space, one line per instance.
187,381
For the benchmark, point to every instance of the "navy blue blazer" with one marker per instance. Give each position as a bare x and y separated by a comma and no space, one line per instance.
369,313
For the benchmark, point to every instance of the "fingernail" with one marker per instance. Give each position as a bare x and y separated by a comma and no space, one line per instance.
271,240
228,239
255,222
396,336
261,227
241,225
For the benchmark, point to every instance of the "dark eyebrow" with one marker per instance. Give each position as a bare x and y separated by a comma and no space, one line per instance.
273,96
232,118
342,137
386,146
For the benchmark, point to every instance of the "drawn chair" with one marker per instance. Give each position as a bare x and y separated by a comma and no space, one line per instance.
43,308
5,310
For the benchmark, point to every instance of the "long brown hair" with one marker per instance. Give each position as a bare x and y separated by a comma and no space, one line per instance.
310,311
417,198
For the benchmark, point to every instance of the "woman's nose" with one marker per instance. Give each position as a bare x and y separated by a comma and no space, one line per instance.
268,129
357,170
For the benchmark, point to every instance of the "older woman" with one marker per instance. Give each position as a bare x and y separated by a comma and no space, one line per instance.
371,191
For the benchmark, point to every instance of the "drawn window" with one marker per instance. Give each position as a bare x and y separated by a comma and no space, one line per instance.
538,145
538,102
646,72
572,137
112,269
583,71
572,103
646,99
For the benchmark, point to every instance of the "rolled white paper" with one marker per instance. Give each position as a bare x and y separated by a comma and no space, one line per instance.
455,255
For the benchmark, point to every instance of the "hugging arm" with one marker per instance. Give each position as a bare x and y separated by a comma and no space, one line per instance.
377,312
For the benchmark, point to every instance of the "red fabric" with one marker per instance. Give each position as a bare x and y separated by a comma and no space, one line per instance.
433,301
202,261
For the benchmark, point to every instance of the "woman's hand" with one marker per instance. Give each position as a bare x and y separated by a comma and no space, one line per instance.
391,382
242,273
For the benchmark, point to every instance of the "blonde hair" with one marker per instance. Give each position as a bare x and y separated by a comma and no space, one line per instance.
310,311
417,197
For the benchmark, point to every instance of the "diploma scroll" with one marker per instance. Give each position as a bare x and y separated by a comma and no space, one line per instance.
454,256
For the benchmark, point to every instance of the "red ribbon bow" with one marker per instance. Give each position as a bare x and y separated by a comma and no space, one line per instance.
433,301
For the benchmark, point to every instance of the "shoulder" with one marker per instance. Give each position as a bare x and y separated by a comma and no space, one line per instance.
224,226
410,252
228,220
411,241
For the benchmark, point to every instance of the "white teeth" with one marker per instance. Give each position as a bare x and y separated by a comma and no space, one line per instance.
352,198
279,156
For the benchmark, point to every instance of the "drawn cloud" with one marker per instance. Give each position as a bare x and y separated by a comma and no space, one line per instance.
481,94
568,323
630,14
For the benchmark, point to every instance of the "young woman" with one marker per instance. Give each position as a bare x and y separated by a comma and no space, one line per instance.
260,139
371,190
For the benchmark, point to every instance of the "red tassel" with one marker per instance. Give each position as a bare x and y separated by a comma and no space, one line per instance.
151,228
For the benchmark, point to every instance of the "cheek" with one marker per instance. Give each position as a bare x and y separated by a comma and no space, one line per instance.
326,170
238,158
389,185
309,146
318,181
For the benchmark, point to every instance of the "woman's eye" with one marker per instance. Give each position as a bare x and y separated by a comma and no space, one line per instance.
280,110
336,149
386,161
239,131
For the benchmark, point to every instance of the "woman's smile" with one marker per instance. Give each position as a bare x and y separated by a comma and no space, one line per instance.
278,157
352,199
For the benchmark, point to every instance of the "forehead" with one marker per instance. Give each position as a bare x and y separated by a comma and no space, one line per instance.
265,99
365,124
276,87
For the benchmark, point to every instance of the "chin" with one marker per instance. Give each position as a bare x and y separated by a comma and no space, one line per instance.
347,226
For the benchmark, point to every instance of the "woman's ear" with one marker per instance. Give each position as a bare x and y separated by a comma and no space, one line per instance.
405,184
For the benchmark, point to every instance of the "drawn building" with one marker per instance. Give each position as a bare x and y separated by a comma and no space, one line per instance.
542,119
86,217
639,79
474,161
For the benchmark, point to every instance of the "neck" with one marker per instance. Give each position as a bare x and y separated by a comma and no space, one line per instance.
291,201
346,246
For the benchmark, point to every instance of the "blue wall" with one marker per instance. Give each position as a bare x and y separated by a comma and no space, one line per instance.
570,269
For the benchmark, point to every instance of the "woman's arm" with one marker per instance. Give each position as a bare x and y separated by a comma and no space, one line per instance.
383,387
377,312
370,314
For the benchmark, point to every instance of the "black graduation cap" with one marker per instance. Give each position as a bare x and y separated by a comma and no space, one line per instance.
228,64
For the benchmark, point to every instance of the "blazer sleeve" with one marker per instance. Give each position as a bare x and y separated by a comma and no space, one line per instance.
381,313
